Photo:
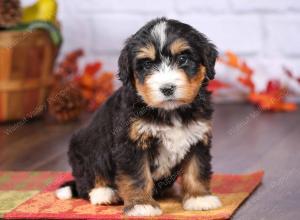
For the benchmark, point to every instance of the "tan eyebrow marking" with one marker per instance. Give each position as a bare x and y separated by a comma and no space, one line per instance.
147,52
178,46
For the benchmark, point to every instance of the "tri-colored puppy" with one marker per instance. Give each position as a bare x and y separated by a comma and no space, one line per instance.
156,127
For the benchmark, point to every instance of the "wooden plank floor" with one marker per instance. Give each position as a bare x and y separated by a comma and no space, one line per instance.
245,140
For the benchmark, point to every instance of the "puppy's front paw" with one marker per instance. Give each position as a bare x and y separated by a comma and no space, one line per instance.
103,195
202,203
144,210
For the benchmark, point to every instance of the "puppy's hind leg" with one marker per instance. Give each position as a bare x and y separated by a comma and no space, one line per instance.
104,190
103,194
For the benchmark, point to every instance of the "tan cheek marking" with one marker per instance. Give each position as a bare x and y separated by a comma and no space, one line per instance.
147,52
141,139
144,91
194,84
178,46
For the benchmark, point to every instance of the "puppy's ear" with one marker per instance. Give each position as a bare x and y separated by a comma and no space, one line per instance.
124,66
211,55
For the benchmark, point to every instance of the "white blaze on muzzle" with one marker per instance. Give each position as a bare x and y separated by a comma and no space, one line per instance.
165,76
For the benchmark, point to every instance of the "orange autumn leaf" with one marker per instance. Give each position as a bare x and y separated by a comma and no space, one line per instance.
289,107
264,101
105,81
232,59
106,76
87,81
107,88
247,81
246,69
272,99
260,98
96,88
100,98
245,78
92,68
74,55
87,94
215,85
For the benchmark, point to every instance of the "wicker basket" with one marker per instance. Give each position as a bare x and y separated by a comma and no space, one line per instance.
26,62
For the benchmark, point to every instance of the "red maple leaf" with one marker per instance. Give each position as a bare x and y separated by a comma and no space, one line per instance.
215,85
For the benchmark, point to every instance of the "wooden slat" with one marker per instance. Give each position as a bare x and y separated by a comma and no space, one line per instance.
24,85
5,63
5,69
26,62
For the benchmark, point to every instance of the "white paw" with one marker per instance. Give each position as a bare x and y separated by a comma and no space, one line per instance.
103,195
64,193
202,203
144,210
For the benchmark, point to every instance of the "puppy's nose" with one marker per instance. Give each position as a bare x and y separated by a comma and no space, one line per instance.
168,89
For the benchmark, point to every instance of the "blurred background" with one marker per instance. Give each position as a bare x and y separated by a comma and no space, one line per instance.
58,64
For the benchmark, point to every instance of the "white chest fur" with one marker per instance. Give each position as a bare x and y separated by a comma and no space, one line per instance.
175,142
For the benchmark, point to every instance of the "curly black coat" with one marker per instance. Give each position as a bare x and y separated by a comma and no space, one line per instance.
107,153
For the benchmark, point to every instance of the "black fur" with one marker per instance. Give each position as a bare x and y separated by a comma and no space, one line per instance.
104,149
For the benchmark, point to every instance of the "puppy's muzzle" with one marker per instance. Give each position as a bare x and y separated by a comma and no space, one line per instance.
168,89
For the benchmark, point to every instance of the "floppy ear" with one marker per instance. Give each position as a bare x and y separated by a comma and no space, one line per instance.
124,66
210,60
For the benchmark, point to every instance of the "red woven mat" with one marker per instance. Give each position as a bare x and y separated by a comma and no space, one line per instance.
29,195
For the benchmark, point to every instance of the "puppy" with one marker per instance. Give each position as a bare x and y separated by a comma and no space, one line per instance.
155,128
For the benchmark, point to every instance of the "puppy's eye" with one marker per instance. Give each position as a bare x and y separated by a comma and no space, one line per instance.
182,59
147,64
